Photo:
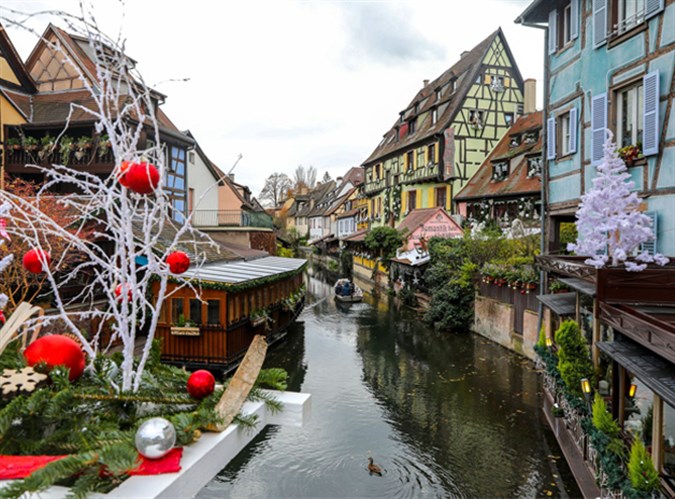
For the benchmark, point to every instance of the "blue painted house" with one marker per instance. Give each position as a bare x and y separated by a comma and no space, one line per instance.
609,65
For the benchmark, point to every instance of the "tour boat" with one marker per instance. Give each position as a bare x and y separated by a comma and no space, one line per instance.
347,292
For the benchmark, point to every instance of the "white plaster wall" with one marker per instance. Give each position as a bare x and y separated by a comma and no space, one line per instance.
203,182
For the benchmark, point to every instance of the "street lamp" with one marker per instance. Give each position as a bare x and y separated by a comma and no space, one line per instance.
586,389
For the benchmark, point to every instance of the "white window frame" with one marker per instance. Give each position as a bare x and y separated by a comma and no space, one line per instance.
629,101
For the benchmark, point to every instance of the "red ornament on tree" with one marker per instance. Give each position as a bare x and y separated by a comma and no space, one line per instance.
56,350
124,168
201,384
2,318
36,261
119,290
178,262
142,178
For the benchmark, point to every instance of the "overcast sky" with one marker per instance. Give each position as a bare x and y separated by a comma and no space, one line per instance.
288,83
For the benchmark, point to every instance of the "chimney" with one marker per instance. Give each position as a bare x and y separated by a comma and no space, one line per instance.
530,97
425,83
231,176
464,53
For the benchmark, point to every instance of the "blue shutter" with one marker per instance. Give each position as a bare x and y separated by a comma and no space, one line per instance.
653,7
573,131
550,138
651,245
598,127
599,22
574,20
650,102
552,32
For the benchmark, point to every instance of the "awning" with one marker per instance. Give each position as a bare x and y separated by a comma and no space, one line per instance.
581,285
235,272
655,372
561,303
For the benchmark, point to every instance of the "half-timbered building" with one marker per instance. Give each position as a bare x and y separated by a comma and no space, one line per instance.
442,136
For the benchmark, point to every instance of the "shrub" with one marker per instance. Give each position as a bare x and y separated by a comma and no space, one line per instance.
574,362
641,471
603,420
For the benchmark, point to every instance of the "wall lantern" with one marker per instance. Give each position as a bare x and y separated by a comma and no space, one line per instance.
549,342
631,390
585,386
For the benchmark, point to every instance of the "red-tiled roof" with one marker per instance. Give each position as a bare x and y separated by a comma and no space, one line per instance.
481,184
417,218
20,101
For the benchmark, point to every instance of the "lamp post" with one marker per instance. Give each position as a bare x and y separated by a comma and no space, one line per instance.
586,389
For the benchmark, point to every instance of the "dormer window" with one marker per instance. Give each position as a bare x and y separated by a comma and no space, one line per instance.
438,94
500,170
434,115
454,84
534,166
411,126
515,141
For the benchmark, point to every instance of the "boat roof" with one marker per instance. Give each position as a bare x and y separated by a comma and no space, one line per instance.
236,272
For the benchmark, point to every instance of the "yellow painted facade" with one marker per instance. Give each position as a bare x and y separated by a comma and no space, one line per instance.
6,72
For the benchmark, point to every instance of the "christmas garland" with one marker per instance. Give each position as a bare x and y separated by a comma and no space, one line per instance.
95,426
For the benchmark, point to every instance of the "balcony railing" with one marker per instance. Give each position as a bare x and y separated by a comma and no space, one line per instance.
92,158
231,218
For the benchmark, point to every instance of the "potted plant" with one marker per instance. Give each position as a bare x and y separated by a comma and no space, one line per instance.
29,143
103,145
65,147
259,317
557,287
47,145
184,327
81,147
12,143
631,153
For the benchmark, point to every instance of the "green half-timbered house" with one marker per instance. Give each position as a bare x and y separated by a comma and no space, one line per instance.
441,138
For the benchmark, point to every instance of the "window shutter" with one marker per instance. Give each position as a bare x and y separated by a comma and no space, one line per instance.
574,20
572,146
651,245
599,22
550,138
552,32
650,134
653,7
598,127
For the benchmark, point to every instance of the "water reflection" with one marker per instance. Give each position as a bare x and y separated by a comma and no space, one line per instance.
443,415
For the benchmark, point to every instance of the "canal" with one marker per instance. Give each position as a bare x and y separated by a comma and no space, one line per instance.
444,415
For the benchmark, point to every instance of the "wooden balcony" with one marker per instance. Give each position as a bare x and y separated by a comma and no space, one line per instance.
20,160
428,173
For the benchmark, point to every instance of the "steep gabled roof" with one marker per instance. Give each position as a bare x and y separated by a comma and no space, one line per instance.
463,73
481,184
417,218
9,53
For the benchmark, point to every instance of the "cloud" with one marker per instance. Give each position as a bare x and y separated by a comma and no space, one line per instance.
383,33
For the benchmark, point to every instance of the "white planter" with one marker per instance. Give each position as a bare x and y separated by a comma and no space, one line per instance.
203,459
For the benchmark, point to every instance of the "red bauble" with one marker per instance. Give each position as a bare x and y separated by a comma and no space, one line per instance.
142,178
56,350
178,262
201,384
33,261
124,168
2,318
120,289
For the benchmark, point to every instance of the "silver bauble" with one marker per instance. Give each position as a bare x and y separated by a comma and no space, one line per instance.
155,438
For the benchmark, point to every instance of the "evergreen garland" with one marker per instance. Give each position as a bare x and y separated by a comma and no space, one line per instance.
95,425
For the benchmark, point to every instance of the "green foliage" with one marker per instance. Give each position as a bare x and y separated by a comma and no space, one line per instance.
541,342
384,241
407,296
332,265
568,234
346,264
574,362
603,420
95,425
284,252
641,471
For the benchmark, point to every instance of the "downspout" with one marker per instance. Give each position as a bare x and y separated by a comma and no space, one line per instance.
544,172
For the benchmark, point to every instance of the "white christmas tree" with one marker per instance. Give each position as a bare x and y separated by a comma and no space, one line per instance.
610,228
134,230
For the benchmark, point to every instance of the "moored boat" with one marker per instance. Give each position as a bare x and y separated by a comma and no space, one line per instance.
347,292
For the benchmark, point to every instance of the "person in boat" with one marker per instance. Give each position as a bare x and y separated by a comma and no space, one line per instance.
346,288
